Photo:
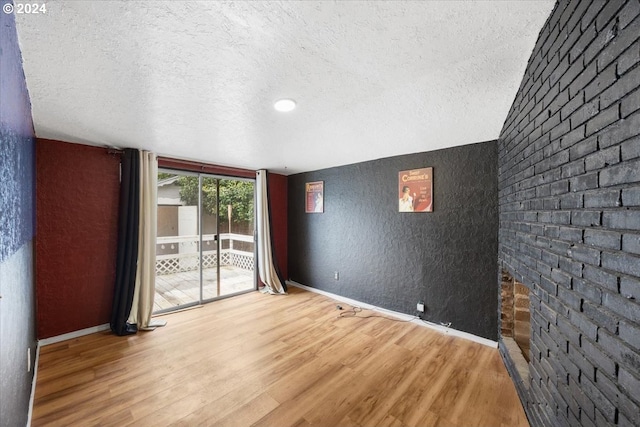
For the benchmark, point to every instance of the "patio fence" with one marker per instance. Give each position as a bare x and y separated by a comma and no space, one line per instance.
188,259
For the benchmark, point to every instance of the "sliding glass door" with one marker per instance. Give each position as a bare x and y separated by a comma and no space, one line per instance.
205,241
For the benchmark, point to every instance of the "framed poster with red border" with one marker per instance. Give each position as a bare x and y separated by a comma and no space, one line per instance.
415,190
314,197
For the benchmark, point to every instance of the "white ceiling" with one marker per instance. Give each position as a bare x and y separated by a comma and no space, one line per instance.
197,80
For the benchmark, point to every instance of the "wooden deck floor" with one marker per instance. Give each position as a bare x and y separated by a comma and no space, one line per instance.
265,360
177,289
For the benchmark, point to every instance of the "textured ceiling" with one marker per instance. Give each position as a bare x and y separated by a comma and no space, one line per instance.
197,80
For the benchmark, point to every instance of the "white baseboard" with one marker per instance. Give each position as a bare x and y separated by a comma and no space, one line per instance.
402,316
33,385
53,340
74,334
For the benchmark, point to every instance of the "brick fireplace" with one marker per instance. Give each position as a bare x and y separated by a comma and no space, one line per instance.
515,327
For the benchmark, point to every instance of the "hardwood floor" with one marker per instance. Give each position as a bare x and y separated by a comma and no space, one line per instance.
278,361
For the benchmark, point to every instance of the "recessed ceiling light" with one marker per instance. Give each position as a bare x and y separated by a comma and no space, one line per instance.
284,105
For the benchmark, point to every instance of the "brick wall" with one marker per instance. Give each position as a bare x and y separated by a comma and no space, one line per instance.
569,206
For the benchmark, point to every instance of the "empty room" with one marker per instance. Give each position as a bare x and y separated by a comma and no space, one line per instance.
320,213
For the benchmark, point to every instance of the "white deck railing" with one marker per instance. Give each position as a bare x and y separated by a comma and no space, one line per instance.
188,258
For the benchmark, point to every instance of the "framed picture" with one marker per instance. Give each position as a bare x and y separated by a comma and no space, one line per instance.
314,200
415,190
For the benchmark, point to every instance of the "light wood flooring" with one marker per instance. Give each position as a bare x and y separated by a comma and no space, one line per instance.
277,361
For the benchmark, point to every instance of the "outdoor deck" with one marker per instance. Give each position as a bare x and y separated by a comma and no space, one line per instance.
177,289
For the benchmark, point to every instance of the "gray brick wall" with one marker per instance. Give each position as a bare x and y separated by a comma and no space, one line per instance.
569,207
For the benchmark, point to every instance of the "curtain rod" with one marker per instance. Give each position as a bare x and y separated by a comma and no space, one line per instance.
205,167
193,165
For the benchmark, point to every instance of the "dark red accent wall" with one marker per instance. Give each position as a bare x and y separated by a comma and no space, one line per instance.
278,204
77,189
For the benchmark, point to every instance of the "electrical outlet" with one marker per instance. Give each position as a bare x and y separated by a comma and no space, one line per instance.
420,307
336,275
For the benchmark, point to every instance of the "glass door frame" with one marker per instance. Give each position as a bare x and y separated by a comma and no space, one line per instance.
201,176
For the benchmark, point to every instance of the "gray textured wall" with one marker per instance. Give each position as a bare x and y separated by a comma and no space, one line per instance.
17,312
448,258
569,192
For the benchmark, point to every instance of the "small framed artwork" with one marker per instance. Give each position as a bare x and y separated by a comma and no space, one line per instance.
415,190
314,200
